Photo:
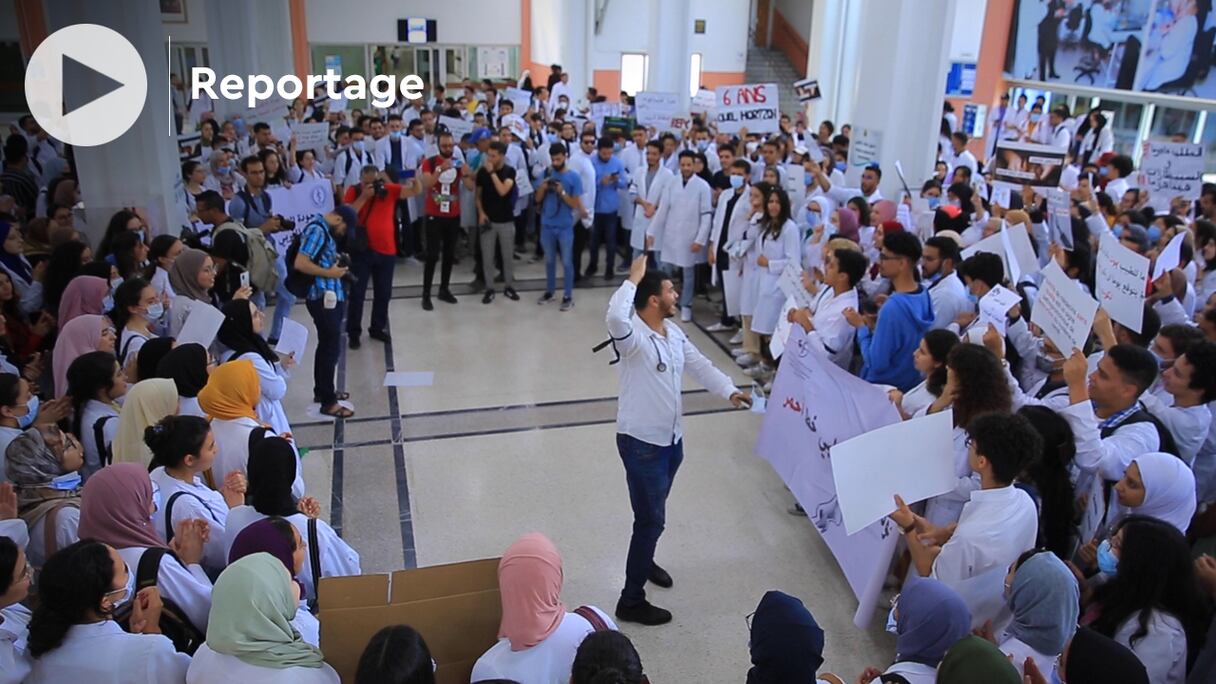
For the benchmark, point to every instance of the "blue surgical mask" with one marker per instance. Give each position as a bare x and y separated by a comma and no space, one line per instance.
812,218
31,412
1108,562
225,169
67,482
616,147
841,166
155,311
934,202
115,283
394,135
359,146
107,303
702,145
736,182
1117,229
972,298
807,178
1154,234
1036,117
1104,171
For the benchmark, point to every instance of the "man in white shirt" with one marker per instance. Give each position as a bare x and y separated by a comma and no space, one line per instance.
654,354
349,163
1117,169
827,328
870,178
962,155
579,161
1190,383
1061,136
998,523
946,289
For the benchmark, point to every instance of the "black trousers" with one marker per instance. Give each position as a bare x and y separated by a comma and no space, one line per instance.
440,237
581,234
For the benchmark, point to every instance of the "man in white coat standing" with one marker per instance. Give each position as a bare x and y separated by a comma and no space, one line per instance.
649,193
633,157
682,238
729,226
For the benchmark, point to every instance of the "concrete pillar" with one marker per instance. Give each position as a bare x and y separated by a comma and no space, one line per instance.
832,59
248,38
140,168
899,85
670,26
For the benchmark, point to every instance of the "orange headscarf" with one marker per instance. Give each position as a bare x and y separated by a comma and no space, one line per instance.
232,391
530,579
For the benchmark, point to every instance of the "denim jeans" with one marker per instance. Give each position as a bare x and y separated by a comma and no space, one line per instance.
690,282
603,229
328,323
378,268
649,472
551,238
284,299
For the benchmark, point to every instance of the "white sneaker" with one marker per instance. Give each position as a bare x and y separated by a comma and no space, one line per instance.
758,371
718,327
747,360
737,339
686,315
737,352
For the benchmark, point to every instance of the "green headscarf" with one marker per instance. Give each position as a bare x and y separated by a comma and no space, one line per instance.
251,611
974,659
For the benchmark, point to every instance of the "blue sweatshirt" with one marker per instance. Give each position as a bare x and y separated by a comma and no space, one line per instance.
607,200
887,351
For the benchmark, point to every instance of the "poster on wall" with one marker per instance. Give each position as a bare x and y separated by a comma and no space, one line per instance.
1019,164
1154,46
492,62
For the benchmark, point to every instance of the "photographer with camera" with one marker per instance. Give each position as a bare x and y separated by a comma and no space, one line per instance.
318,257
372,244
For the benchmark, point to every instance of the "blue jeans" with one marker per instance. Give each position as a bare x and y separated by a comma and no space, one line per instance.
552,237
649,472
284,299
690,282
328,323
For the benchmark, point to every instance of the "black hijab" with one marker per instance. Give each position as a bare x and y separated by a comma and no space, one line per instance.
147,362
1097,659
186,365
237,333
272,470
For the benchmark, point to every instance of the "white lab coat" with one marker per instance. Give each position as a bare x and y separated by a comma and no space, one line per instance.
273,379
581,164
209,667
732,277
781,250
232,441
15,662
102,653
1171,58
197,502
657,192
634,160
187,586
688,220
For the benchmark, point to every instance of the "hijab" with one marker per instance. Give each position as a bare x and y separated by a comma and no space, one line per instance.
186,365
272,471
974,659
150,355
83,295
1045,601
885,210
251,612
786,642
31,465
264,536
1094,658
232,391
14,263
146,403
183,274
848,227
530,577
116,507
1169,489
236,332
80,336
932,617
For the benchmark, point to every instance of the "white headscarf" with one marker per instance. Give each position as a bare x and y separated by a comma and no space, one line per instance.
1169,489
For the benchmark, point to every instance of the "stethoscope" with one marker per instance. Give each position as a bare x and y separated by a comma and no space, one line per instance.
660,367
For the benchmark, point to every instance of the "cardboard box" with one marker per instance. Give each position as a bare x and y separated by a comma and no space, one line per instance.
456,608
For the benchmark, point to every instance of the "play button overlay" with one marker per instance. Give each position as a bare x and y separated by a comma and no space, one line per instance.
86,85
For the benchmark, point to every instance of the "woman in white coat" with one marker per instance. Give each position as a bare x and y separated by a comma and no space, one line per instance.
1168,60
649,194
725,234
777,245
745,251
241,334
683,237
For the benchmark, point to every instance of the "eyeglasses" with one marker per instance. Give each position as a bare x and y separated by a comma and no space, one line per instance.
27,573
748,620
122,593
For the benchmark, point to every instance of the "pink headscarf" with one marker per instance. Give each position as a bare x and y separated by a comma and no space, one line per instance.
83,295
885,210
530,579
79,336
115,505
848,227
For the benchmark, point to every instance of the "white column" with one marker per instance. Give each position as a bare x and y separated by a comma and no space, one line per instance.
246,38
140,168
832,59
898,86
578,20
670,58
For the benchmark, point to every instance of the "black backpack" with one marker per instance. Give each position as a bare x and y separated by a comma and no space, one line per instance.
298,283
174,624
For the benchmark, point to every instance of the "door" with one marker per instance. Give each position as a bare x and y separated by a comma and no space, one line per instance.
763,10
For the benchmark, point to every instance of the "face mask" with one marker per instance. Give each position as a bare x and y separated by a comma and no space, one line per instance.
107,303
751,147
1117,229
225,170
1036,117
616,147
115,283
155,311
812,218
359,146
1044,363
841,166
394,135
155,502
1108,562
67,482
972,298
1154,234
702,145
1104,171
736,182
808,178
31,412
934,202
892,623
130,586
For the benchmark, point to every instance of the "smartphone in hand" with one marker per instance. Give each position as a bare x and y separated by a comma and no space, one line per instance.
245,279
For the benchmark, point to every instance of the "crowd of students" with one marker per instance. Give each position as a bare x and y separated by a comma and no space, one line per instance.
154,490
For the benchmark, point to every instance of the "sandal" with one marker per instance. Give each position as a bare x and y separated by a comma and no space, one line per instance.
337,410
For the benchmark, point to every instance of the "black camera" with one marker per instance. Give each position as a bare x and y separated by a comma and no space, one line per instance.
285,223
378,188
343,261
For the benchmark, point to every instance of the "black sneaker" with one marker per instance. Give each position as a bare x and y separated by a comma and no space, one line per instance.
487,297
381,335
427,305
446,296
643,613
545,298
567,303
353,342
659,577
511,294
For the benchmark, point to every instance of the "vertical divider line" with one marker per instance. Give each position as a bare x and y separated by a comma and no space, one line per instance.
404,515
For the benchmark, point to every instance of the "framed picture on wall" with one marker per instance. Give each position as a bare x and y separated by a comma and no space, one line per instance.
173,11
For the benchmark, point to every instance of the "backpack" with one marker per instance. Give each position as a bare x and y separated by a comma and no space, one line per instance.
314,563
169,513
298,283
105,452
262,255
174,624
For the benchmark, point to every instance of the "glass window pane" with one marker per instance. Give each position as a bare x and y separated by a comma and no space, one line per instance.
694,74
633,73
351,59
1175,125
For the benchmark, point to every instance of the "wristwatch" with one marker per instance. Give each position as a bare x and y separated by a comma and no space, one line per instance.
909,528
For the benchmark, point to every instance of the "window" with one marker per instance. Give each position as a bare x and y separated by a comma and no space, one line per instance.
633,72
694,75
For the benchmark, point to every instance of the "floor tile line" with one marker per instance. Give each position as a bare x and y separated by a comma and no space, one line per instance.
405,517
335,494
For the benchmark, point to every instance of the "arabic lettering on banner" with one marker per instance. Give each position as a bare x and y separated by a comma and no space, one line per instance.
813,406
1169,170
1122,278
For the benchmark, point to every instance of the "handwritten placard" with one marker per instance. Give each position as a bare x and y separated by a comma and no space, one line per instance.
703,101
1169,170
1122,277
521,99
752,106
1063,311
311,136
656,108
456,126
995,306
1170,257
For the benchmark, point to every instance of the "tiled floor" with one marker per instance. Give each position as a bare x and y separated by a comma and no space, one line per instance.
517,434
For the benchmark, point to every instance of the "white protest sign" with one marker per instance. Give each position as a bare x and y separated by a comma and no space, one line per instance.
520,98
814,406
790,282
202,325
1120,282
913,458
807,89
300,203
311,136
781,333
753,106
995,306
188,146
272,111
1170,257
703,101
1063,310
457,126
601,110
865,148
655,109
1169,170
517,125
293,340
1001,195
1019,243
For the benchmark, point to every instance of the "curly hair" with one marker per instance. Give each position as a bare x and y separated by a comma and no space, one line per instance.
980,384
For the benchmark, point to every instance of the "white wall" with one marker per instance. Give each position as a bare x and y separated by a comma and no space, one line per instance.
460,22
798,14
968,31
626,26
195,28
